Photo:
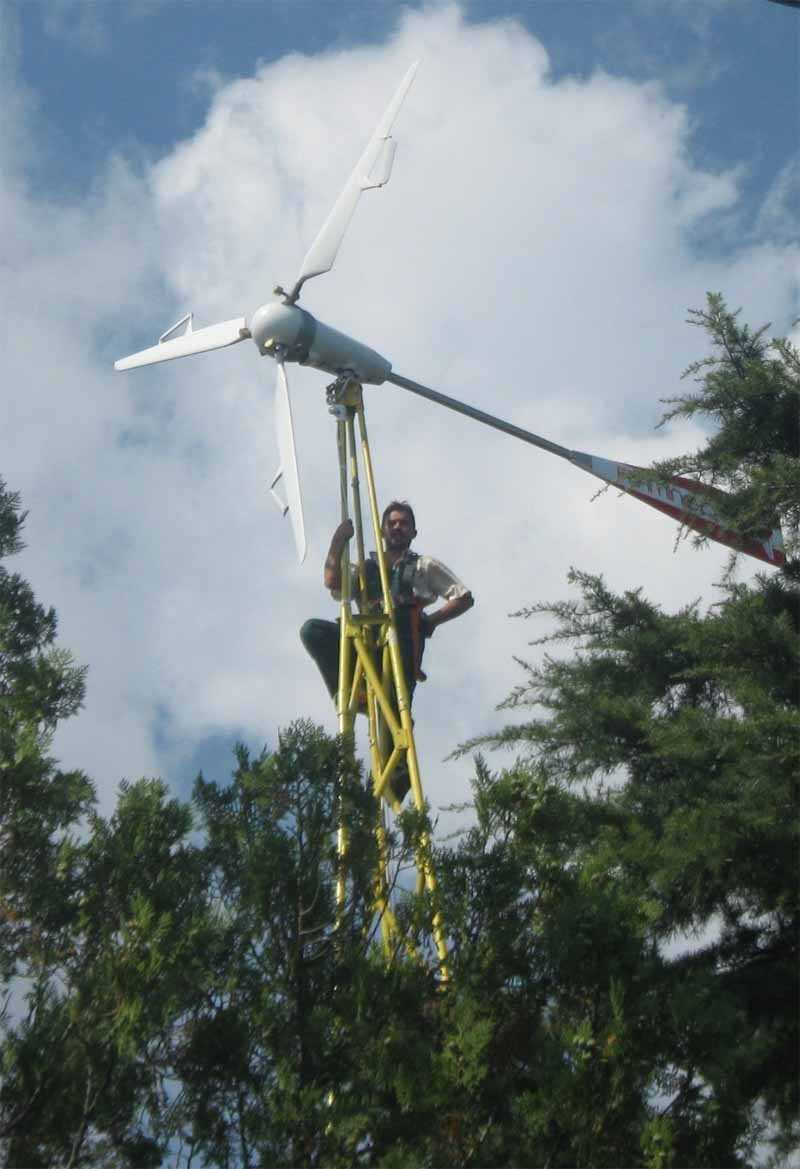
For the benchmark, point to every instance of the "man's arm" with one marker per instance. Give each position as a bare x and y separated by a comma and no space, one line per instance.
448,612
333,561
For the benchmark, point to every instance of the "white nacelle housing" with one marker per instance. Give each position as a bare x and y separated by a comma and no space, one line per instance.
310,342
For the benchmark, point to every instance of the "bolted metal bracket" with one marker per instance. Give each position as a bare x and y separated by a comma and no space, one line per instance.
343,396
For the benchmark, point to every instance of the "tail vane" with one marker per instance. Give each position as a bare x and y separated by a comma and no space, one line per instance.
686,500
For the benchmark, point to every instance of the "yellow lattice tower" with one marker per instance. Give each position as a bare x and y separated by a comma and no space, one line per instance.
371,672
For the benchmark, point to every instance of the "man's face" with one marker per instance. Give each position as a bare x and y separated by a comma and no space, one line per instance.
398,530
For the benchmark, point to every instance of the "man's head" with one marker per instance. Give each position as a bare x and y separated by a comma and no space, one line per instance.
398,525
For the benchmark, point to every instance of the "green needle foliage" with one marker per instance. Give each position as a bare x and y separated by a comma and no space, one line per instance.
650,830
39,803
622,913
750,388
645,843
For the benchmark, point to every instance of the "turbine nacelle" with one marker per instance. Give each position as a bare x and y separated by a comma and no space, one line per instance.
282,326
286,330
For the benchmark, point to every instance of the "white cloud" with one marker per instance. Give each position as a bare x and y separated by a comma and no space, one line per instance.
778,216
533,254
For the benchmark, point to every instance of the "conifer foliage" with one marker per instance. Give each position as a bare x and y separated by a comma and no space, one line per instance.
181,989
750,389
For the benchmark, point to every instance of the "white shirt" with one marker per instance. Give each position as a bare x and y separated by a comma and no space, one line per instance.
431,581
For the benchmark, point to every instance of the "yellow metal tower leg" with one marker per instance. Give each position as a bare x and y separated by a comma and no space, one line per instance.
371,675
345,660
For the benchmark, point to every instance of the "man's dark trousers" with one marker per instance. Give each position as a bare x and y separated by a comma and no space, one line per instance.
321,640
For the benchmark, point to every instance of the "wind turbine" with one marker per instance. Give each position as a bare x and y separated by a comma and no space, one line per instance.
288,333
371,673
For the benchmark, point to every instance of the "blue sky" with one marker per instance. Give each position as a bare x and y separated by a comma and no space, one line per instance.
110,75
571,177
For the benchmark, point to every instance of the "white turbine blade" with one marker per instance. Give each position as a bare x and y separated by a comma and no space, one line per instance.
287,473
199,341
372,170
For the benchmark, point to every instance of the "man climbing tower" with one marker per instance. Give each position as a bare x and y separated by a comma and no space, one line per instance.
416,582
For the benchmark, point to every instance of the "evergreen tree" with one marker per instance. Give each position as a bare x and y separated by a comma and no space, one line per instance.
112,1006
98,920
652,824
39,803
263,1048
307,1046
750,388
41,808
